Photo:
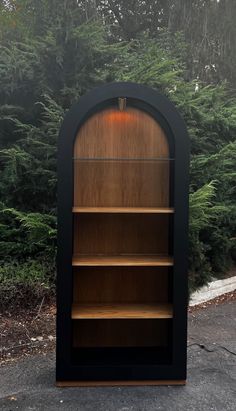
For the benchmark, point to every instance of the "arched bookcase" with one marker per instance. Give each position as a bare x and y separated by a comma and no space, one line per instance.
123,159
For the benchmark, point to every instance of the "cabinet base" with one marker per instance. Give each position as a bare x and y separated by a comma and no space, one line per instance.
118,383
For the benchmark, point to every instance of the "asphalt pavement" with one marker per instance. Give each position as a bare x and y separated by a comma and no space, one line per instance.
29,384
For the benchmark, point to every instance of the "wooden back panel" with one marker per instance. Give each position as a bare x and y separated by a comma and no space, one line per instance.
120,284
120,333
111,133
121,184
115,234
133,139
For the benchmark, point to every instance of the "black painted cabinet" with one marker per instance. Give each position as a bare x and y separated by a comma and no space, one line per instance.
123,159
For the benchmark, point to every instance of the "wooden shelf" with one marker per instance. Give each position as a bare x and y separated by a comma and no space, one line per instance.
121,311
113,159
123,260
135,210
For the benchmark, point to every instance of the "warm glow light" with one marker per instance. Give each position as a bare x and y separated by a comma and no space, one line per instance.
117,116
122,103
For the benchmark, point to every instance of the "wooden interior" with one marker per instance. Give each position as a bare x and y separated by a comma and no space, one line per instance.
120,333
120,210
121,183
121,161
122,261
121,311
113,134
112,234
120,284
122,224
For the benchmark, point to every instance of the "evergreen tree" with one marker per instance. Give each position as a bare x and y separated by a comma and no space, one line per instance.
51,53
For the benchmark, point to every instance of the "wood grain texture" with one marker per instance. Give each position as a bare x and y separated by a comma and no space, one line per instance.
121,311
120,284
109,234
121,184
120,333
130,135
119,210
129,260
121,225
118,383
113,134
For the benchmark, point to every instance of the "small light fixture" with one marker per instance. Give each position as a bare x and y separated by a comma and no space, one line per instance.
122,103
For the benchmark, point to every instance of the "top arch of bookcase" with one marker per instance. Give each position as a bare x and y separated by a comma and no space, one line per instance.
137,95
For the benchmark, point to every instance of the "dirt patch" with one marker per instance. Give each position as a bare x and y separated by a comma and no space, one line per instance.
27,332
32,332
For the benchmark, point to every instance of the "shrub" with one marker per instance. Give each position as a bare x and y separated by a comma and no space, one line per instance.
24,284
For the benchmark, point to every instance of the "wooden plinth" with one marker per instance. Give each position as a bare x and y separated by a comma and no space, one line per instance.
118,383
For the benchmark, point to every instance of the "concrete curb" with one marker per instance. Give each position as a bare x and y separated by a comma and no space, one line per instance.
212,290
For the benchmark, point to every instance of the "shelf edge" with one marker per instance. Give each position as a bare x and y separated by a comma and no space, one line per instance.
123,210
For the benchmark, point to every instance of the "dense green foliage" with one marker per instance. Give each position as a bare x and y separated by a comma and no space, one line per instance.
208,26
51,53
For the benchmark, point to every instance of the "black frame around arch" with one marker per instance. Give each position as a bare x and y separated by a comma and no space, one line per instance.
167,116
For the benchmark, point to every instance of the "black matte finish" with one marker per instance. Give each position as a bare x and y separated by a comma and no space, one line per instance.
167,116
